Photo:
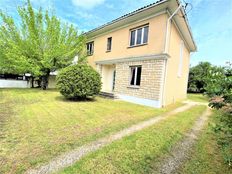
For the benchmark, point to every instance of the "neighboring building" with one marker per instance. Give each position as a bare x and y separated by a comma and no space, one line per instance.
24,81
143,57
14,81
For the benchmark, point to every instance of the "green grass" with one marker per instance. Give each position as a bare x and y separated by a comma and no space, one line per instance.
36,125
140,152
206,155
198,98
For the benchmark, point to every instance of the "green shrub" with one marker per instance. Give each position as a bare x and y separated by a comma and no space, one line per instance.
219,87
78,82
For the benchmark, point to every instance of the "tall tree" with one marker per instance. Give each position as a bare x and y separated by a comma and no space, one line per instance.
197,77
11,61
38,44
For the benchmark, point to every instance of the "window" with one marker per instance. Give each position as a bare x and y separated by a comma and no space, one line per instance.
135,75
90,48
109,43
139,36
181,59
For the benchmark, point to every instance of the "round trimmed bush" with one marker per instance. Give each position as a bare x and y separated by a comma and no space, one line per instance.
78,82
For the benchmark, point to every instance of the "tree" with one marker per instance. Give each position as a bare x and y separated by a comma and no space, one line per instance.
219,83
10,41
39,44
197,77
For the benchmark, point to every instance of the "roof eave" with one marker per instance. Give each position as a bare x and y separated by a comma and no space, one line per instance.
193,48
119,21
124,17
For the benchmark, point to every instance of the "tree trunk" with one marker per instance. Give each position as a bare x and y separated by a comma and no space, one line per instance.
44,81
32,82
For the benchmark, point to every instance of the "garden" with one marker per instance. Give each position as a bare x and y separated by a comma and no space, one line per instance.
37,125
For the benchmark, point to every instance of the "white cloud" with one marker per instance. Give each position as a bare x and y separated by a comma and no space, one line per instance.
87,4
110,6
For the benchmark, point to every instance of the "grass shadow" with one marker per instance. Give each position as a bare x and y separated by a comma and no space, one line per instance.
63,99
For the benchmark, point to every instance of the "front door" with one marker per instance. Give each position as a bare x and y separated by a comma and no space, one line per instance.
114,75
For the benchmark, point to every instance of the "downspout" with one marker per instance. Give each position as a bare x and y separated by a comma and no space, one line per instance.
168,28
167,38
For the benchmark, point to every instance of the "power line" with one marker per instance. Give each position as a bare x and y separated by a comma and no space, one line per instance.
185,7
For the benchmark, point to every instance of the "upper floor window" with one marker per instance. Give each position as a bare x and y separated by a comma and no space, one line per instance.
135,75
109,44
90,48
139,36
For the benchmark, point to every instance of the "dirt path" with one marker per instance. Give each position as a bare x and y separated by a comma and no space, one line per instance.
71,157
181,150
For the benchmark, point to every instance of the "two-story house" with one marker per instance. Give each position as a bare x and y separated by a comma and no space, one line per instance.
143,57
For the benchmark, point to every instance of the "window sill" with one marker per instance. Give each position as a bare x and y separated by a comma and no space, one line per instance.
107,51
89,54
137,45
133,87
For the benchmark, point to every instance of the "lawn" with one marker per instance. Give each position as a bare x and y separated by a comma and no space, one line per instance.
206,155
36,125
198,98
142,151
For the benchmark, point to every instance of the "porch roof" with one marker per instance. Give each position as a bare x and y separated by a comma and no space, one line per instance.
133,59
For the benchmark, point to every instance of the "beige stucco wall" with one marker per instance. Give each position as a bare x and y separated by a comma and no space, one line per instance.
176,87
121,37
151,78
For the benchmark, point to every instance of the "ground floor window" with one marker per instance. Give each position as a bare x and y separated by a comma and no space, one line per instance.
135,75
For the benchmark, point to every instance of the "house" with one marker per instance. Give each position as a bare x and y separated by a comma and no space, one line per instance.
143,57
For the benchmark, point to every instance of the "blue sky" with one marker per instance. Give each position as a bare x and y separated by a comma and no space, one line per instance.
210,20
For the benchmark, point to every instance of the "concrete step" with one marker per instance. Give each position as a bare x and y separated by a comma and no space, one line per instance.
108,95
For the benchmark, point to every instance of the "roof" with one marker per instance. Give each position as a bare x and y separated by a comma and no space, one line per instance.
167,5
127,15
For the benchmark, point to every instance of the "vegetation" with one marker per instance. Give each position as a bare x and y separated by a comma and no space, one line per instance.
218,87
206,156
36,125
38,43
79,82
197,77
219,83
142,151
198,98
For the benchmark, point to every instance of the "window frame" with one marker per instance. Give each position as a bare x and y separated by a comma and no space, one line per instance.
136,35
107,46
90,53
136,75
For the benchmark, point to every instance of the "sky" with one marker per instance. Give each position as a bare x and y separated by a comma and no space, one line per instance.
210,20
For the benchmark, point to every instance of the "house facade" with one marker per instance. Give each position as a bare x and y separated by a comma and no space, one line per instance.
143,57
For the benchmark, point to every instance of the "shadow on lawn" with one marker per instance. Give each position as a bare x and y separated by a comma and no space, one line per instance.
63,99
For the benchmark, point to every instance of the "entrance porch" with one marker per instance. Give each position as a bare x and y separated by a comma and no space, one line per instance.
108,74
